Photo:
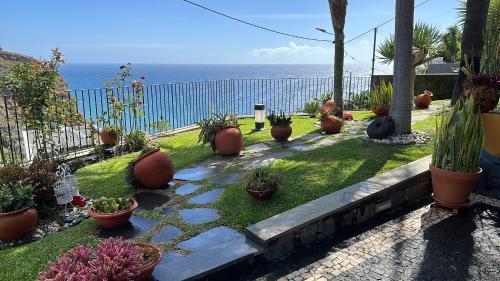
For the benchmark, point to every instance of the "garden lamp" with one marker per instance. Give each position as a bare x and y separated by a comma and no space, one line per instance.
259,116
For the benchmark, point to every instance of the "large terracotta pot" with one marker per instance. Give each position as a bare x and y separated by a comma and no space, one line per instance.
281,133
14,225
113,220
154,169
262,195
423,101
229,141
327,106
451,189
146,270
108,139
491,125
380,111
331,124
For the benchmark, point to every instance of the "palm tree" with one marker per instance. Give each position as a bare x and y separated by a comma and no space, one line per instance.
402,55
474,18
451,44
338,12
426,47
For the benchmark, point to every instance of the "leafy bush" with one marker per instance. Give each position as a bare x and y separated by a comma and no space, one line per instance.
106,205
459,139
41,174
113,131
13,198
311,107
325,97
12,175
211,126
361,100
279,120
262,179
114,259
136,140
381,95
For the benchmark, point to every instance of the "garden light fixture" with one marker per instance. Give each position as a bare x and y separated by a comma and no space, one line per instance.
259,116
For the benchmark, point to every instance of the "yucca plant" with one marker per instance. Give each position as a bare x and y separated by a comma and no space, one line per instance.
381,95
459,139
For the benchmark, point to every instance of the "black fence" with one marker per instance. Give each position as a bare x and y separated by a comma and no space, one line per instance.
178,104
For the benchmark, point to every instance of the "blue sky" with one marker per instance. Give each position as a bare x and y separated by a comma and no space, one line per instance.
171,31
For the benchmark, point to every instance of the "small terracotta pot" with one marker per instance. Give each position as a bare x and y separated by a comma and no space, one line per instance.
108,139
262,195
281,133
229,141
154,169
380,111
15,225
491,125
423,101
146,270
331,124
451,189
114,220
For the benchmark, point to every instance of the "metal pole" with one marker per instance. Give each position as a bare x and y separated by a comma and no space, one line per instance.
374,46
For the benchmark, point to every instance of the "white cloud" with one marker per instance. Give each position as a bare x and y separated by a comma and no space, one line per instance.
289,16
364,42
287,51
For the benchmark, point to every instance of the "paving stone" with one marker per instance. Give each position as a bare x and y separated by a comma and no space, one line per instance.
210,238
302,147
207,197
138,226
264,160
166,234
150,200
198,215
187,188
257,148
229,179
197,173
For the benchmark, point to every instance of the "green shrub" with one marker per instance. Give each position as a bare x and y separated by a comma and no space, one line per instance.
12,175
106,205
262,179
279,120
381,95
13,198
325,97
311,108
136,140
210,126
361,100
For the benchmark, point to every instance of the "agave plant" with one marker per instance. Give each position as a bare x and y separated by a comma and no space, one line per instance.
381,95
212,125
279,119
459,138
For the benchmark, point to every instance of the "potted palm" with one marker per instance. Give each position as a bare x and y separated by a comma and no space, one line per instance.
455,159
380,98
262,183
222,132
112,212
280,126
17,215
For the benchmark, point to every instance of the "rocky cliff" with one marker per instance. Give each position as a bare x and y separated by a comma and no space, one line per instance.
7,59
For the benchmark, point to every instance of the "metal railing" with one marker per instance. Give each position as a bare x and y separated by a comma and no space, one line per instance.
178,104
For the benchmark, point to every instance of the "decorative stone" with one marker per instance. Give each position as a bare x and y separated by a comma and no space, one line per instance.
207,197
198,215
187,188
138,226
380,128
166,234
149,200
197,173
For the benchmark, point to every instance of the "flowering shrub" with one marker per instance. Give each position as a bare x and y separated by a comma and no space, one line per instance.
114,259
348,116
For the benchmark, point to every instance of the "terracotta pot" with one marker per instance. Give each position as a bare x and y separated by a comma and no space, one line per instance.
380,111
261,195
108,139
281,133
154,169
113,220
423,101
327,106
229,141
331,124
491,125
15,225
451,189
146,270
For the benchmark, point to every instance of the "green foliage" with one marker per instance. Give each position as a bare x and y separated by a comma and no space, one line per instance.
41,174
13,198
113,130
12,175
279,120
361,100
325,97
211,126
106,205
136,140
381,95
451,44
262,179
311,107
459,139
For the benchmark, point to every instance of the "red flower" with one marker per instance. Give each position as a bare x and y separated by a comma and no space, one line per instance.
348,116
142,77
78,201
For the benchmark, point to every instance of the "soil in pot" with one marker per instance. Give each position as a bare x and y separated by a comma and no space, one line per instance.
281,133
380,111
229,141
331,124
423,101
147,269
108,139
15,225
262,195
491,125
154,169
451,189
114,220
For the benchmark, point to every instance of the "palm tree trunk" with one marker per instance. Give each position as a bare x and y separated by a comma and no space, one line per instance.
402,98
472,41
338,12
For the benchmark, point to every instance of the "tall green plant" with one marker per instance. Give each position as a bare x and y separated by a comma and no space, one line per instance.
459,138
381,95
212,125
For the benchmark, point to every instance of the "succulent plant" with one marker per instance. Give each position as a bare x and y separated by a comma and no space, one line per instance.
106,205
13,198
262,179
279,120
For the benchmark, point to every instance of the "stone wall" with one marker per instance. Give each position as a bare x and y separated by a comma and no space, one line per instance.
441,85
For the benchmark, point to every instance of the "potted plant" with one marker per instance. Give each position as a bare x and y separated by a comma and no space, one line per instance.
423,101
112,212
311,108
280,126
262,183
455,159
112,259
110,134
17,215
222,132
326,103
330,123
380,98
152,170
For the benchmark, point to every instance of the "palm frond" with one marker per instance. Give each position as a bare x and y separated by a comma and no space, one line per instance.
386,50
